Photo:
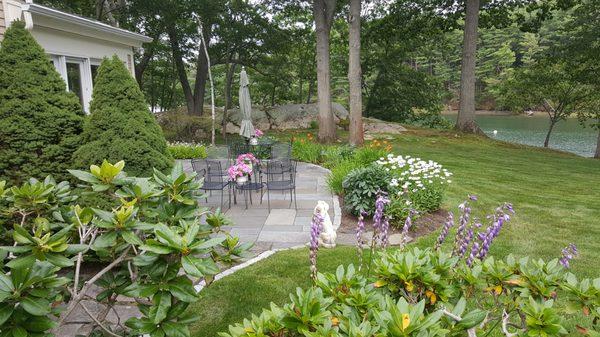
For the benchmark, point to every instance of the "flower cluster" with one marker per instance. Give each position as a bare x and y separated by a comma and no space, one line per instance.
246,158
258,133
238,170
381,144
568,253
414,174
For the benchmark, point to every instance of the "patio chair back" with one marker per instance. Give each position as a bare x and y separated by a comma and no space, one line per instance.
281,151
210,169
282,170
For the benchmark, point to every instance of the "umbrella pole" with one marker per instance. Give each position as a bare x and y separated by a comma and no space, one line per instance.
210,79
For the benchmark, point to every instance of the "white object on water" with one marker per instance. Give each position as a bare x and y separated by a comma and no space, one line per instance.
495,132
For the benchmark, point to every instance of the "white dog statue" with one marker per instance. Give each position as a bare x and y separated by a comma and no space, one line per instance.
328,231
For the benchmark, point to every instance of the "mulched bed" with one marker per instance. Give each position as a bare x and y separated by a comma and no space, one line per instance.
422,226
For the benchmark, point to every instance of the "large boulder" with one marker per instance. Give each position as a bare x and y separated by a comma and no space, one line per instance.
283,117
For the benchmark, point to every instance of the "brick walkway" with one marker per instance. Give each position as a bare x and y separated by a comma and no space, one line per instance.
284,226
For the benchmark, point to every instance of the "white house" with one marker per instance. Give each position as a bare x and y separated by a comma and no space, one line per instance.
75,44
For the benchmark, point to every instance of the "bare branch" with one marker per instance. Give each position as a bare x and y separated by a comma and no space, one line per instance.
97,321
505,317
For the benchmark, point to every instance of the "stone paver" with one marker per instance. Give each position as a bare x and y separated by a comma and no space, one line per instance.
284,226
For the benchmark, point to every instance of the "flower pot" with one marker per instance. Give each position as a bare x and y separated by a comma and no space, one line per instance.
253,141
241,180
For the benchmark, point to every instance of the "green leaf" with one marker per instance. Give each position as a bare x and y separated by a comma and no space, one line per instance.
36,307
6,310
106,240
22,262
58,260
19,332
6,283
189,265
183,289
84,175
104,215
209,243
73,249
131,238
162,301
175,329
40,324
471,319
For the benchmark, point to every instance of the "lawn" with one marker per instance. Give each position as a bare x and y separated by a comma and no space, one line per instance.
555,196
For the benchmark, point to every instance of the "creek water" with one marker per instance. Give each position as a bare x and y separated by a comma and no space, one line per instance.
567,135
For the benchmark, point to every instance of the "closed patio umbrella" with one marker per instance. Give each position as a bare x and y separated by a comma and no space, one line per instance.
246,127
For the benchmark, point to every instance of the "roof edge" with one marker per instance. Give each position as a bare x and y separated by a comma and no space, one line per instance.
62,16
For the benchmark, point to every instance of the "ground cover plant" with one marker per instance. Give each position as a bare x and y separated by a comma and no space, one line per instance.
120,126
151,246
182,150
40,122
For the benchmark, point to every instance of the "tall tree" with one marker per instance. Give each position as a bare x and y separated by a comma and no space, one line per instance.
466,113
354,74
323,12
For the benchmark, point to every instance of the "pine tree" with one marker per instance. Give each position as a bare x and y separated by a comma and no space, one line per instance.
40,122
120,126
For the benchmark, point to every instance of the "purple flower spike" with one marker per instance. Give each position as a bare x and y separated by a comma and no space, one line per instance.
315,230
473,197
474,253
380,221
445,230
360,228
568,253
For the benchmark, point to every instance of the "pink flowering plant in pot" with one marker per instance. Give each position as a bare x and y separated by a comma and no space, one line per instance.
258,133
239,172
246,158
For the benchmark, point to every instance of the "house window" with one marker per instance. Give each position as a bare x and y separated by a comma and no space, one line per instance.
77,74
94,68
74,79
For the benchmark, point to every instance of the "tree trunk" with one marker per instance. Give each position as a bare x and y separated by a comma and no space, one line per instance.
547,140
597,154
141,66
466,113
354,75
323,11
181,71
200,84
227,91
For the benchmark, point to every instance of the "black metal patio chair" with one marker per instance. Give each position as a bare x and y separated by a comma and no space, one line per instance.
285,181
215,178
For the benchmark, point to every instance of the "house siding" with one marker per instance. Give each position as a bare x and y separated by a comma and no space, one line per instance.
2,20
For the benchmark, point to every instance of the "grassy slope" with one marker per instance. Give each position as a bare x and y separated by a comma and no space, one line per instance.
556,196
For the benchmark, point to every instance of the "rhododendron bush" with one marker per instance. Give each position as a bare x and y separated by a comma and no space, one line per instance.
150,246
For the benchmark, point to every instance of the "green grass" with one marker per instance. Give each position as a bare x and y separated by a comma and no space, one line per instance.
556,196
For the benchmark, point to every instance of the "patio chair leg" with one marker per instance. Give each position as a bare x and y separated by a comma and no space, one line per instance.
229,195
250,193
295,200
269,199
291,199
222,192
245,199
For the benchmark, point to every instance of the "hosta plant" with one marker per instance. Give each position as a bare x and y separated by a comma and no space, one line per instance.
151,245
